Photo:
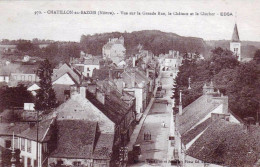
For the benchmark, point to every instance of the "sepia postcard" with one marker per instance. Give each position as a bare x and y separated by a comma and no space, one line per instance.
121,83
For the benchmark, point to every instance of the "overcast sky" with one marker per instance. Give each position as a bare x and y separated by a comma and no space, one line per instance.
18,20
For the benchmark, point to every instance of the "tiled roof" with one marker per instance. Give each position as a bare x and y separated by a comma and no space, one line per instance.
59,91
65,68
194,112
143,76
92,61
25,83
227,144
114,95
108,46
139,77
75,139
78,107
28,69
127,96
103,148
18,68
8,69
7,129
30,133
112,110
191,134
100,74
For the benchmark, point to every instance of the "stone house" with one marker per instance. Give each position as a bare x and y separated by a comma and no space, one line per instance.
114,50
25,139
112,119
81,143
138,85
86,65
63,78
192,121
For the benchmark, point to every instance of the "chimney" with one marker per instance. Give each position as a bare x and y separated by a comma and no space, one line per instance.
110,75
82,91
81,77
205,89
109,90
225,104
248,121
100,96
147,73
73,90
180,104
133,79
211,86
134,61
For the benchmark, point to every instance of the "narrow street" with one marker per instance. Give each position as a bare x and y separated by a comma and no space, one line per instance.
154,152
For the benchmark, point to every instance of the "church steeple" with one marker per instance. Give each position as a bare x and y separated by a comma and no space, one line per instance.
235,44
235,36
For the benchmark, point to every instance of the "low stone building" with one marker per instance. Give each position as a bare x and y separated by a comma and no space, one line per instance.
81,143
192,121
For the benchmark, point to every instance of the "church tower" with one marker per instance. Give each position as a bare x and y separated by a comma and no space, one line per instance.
235,44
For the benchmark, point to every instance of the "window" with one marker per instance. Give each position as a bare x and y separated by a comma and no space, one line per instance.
76,163
8,144
22,159
23,144
35,163
29,146
59,162
23,78
29,78
28,162
45,148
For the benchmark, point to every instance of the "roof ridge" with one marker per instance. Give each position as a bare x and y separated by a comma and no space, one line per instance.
193,103
93,142
47,130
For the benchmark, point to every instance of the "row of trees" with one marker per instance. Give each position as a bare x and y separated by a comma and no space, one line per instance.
239,81
54,51
34,41
156,41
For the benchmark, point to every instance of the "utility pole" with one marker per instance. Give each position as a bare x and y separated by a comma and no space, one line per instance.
37,138
13,160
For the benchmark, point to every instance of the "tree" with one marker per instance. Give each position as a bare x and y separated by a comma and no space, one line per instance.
25,45
14,97
243,94
257,56
45,98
